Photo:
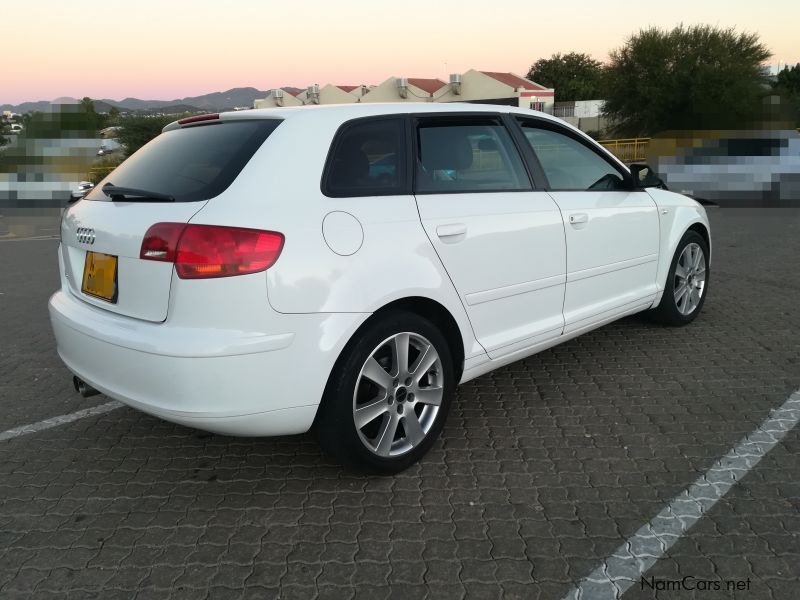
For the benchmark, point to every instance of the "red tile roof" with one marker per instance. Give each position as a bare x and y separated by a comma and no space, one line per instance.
514,80
429,85
348,88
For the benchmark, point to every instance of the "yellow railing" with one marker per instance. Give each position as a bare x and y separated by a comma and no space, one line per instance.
629,150
97,173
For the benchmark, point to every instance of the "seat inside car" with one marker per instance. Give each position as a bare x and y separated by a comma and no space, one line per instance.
352,165
443,149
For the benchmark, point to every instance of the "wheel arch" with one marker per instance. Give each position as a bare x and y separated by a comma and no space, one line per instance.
437,314
702,230
427,308
663,309
677,215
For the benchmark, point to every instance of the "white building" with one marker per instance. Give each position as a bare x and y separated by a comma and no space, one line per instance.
490,87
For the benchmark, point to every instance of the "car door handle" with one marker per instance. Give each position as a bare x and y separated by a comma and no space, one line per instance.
577,218
451,230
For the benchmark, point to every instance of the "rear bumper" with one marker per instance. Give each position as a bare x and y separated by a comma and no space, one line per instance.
225,381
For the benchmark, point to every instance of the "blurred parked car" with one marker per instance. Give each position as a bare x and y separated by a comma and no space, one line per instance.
737,167
84,187
108,146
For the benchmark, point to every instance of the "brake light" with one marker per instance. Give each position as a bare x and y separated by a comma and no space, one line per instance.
205,251
198,119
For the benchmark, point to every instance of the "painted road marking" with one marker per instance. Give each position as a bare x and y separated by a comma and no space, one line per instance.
628,563
32,238
60,420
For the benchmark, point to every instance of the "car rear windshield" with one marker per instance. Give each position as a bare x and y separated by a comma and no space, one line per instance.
191,163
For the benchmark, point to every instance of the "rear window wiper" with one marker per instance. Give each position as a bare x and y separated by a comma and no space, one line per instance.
135,194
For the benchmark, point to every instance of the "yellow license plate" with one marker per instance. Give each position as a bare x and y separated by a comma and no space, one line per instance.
100,276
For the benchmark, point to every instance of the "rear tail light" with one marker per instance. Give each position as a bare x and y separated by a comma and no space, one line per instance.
205,251
161,241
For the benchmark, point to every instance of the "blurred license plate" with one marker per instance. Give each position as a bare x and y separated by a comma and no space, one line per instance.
100,276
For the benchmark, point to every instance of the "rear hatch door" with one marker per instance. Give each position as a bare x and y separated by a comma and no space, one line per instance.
173,177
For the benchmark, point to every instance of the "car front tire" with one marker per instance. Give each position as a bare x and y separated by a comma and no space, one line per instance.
686,287
388,396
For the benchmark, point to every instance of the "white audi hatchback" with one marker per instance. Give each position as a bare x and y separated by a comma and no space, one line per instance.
345,267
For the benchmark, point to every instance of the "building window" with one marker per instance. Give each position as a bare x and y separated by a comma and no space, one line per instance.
537,106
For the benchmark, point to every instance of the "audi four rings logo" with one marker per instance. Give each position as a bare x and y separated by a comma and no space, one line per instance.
85,235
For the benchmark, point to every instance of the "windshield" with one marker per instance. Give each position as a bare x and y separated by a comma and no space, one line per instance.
191,163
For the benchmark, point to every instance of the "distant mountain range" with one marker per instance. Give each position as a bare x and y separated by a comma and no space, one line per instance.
215,101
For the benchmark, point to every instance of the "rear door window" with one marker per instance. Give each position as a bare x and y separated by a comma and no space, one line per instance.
191,163
367,159
467,155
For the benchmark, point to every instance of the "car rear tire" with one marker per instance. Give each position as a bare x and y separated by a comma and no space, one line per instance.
388,395
686,287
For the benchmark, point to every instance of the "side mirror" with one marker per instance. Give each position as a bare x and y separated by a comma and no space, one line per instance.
644,177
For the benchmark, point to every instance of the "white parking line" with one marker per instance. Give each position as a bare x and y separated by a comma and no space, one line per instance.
60,420
32,238
628,563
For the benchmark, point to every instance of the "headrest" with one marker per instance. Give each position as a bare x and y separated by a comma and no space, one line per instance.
445,148
352,165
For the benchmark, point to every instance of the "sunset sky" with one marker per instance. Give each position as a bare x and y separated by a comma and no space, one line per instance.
170,49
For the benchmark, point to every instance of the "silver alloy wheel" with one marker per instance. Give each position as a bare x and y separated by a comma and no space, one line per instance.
690,279
398,394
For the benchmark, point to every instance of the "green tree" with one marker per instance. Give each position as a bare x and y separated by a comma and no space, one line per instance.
789,80
113,116
574,76
787,85
70,120
137,130
94,120
87,105
698,77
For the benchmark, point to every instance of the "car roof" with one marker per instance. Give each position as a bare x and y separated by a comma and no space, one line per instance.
345,112
340,113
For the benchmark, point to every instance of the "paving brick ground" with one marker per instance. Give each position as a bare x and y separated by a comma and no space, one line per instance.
545,466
